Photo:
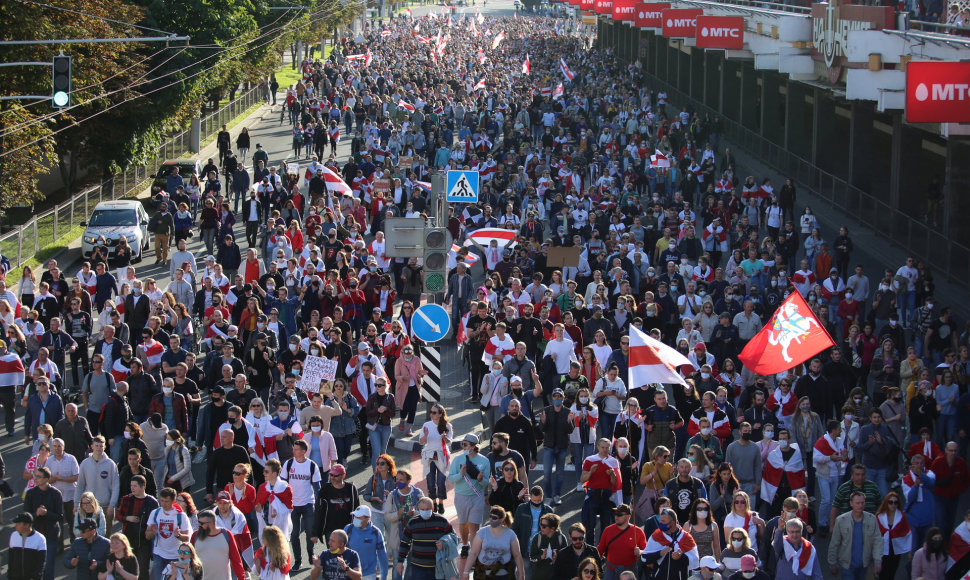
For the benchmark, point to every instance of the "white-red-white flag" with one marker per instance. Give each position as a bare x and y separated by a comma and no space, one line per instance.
565,69
557,94
386,33
652,361
481,56
498,40
335,184
480,85
402,104
368,58
526,65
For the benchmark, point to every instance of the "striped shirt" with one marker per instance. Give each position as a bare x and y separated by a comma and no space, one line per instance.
841,500
419,538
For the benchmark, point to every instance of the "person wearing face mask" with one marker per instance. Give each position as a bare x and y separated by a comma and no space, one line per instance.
749,570
931,561
521,432
420,540
670,552
784,472
704,438
171,406
745,457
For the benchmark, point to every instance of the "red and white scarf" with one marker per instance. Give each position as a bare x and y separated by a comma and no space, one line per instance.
825,447
776,466
897,531
802,559
684,543
909,480
783,406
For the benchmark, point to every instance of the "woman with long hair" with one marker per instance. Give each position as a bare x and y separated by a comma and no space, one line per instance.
186,505
133,440
243,494
930,561
495,549
89,509
28,287
582,439
742,516
408,374
588,570
508,491
273,559
700,466
186,567
121,563
436,437
702,526
342,427
897,538
177,454
737,546
379,487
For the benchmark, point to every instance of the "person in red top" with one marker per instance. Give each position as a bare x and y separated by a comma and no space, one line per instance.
213,544
952,479
252,268
243,495
621,543
273,558
601,477
925,447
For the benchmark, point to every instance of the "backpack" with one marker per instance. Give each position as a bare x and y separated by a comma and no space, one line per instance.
178,523
289,463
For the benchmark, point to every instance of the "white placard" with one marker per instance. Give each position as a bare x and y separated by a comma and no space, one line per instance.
316,369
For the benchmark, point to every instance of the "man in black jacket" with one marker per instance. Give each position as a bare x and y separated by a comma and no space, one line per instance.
137,311
44,502
252,212
141,388
28,553
108,347
568,558
224,143
114,415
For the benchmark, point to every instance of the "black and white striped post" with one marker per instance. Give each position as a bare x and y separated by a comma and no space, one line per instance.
431,385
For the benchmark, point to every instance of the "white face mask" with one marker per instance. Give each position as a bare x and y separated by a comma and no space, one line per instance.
702,514
294,347
583,400
622,451
315,351
316,428
737,544
748,575
705,376
769,434
169,443
167,390
705,431
783,444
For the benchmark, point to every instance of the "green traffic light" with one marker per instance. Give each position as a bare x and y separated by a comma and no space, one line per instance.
61,99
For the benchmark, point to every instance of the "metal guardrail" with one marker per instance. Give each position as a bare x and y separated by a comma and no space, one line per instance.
910,232
26,240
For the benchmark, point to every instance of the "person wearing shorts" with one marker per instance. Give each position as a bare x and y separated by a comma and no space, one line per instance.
469,473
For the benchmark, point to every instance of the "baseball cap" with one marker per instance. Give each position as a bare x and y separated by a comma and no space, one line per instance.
747,563
363,346
709,562
558,392
223,495
361,512
471,438
87,524
338,469
624,509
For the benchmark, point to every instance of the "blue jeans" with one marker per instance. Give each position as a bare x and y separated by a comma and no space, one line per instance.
302,518
552,457
580,453
158,566
343,443
596,504
946,510
53,541
854,573
878,476
907,306
827,487
378,442
418,572
604,427
114,451
946,429
437,485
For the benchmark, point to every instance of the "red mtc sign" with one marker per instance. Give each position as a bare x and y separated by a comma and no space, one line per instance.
587,5
680,22
720,32
650,14
938,92
624,10
604,6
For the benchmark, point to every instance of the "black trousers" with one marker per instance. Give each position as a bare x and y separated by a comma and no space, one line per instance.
363,435
79,358
7,397
252,231
93,417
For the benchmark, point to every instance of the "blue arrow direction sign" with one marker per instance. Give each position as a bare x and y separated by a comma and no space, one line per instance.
431,323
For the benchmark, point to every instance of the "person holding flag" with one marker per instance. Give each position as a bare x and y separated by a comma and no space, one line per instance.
783,473
671,552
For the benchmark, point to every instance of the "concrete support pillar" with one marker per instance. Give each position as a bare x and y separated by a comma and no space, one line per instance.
860,145
195,136
749,89
956,205
894,162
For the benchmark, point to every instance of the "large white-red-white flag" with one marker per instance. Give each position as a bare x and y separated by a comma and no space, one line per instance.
484,236
402,104
498,40
480,85
526,66
557,94
777,466
565,69
652,361
368,58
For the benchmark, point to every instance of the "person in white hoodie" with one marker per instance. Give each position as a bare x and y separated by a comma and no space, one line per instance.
91,477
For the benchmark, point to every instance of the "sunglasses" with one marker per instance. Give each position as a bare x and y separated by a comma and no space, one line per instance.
740,502
578,538
589,571
508,470
240,473
494,519
185,553
437,413
382,463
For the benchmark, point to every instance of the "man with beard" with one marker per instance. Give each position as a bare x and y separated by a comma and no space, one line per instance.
522,438
528,330
217,548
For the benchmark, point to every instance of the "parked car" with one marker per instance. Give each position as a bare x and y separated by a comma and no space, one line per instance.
187,168
114,219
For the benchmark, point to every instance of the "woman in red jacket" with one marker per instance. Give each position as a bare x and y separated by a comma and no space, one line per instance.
243,495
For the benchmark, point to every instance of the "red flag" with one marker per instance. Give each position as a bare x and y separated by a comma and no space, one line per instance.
792,336
526,66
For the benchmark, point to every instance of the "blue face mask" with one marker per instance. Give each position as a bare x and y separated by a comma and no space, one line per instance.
425,514
557,402
401,485
663,527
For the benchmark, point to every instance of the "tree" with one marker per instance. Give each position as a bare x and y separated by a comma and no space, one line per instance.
26,155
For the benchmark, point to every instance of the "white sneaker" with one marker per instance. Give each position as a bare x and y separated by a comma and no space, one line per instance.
556,500
580,488
200,456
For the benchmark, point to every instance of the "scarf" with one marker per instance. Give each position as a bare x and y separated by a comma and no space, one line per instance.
776,466
782,405
802,559
896,531
683,543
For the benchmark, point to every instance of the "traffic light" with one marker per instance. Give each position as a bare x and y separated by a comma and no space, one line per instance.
437,244
61,96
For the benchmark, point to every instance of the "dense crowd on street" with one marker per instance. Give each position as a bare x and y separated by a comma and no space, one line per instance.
125,385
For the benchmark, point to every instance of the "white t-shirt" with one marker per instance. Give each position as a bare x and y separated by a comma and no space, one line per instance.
301,477
166,544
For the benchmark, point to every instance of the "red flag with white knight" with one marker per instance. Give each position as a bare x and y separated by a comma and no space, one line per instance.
791,337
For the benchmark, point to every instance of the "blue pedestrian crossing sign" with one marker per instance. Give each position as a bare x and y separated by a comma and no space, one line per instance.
462,186
431,323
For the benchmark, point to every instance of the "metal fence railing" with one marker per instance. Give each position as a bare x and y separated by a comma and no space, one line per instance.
27,239
908,231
